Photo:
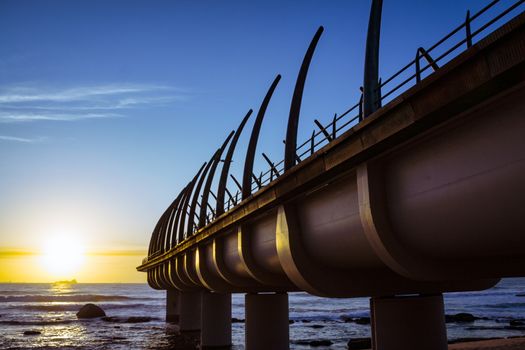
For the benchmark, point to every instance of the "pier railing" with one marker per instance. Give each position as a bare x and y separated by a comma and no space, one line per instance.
455,42
425,62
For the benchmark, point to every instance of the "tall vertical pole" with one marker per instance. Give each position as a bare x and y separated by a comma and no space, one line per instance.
172,306
371,99
216,320
408,323
267,325
190,312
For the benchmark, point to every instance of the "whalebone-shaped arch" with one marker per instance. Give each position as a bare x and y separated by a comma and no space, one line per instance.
209,181
295,107
181,213
252,146
221,189
371,87
191,213
169,228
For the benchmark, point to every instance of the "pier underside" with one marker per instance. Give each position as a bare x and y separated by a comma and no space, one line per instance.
424,196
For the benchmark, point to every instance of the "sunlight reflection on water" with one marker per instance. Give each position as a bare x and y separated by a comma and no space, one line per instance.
51,310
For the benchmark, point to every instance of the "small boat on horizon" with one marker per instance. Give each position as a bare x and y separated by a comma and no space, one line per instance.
73,281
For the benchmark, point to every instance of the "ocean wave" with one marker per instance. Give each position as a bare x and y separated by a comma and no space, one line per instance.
12,292
504,305
316,318
36,323
65,298
74,307
311,308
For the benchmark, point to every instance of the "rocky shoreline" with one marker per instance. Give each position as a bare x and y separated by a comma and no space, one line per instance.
191,341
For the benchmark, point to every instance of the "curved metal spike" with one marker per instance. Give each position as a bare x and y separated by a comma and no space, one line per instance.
191,215
236,182
230,196
175,236
221,189
257,181
167,232
158,227
209,180
371,86
162,230
273,169
169,228
295,107
153,240
154,234
323,130
252,146
155,246
164,224
182,209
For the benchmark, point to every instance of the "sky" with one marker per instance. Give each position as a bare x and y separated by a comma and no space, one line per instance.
108,108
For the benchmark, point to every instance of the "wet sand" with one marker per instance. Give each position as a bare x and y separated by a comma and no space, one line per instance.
493,344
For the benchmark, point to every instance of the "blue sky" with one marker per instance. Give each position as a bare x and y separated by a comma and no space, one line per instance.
107,108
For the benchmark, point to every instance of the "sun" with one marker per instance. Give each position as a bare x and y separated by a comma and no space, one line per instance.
62,256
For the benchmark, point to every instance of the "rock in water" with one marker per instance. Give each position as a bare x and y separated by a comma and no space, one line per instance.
462,317
359,343
316,326
131,319
322,342
314,343
357,320
111,319
90,311
362,320
32,333
138,319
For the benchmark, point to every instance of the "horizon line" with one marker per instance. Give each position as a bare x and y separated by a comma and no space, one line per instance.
13,252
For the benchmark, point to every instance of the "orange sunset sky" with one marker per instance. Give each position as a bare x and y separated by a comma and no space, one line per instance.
108,108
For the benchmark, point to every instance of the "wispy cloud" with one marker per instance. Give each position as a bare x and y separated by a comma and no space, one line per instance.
29,103
29,117
123,103
31,94
21,139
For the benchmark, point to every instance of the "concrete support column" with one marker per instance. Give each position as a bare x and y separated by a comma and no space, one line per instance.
267,324
172,306
216,331
190,311
408,323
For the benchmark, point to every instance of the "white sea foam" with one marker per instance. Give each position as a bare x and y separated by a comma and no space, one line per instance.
51,311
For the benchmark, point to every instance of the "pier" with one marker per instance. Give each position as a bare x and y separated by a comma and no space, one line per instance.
416,190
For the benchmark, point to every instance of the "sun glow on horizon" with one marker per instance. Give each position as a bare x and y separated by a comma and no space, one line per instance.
62,256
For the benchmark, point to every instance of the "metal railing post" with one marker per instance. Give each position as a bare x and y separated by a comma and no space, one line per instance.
467,29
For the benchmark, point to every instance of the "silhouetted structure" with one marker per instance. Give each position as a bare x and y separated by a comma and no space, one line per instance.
400,203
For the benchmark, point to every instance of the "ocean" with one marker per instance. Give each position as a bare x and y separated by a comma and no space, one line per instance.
50,311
